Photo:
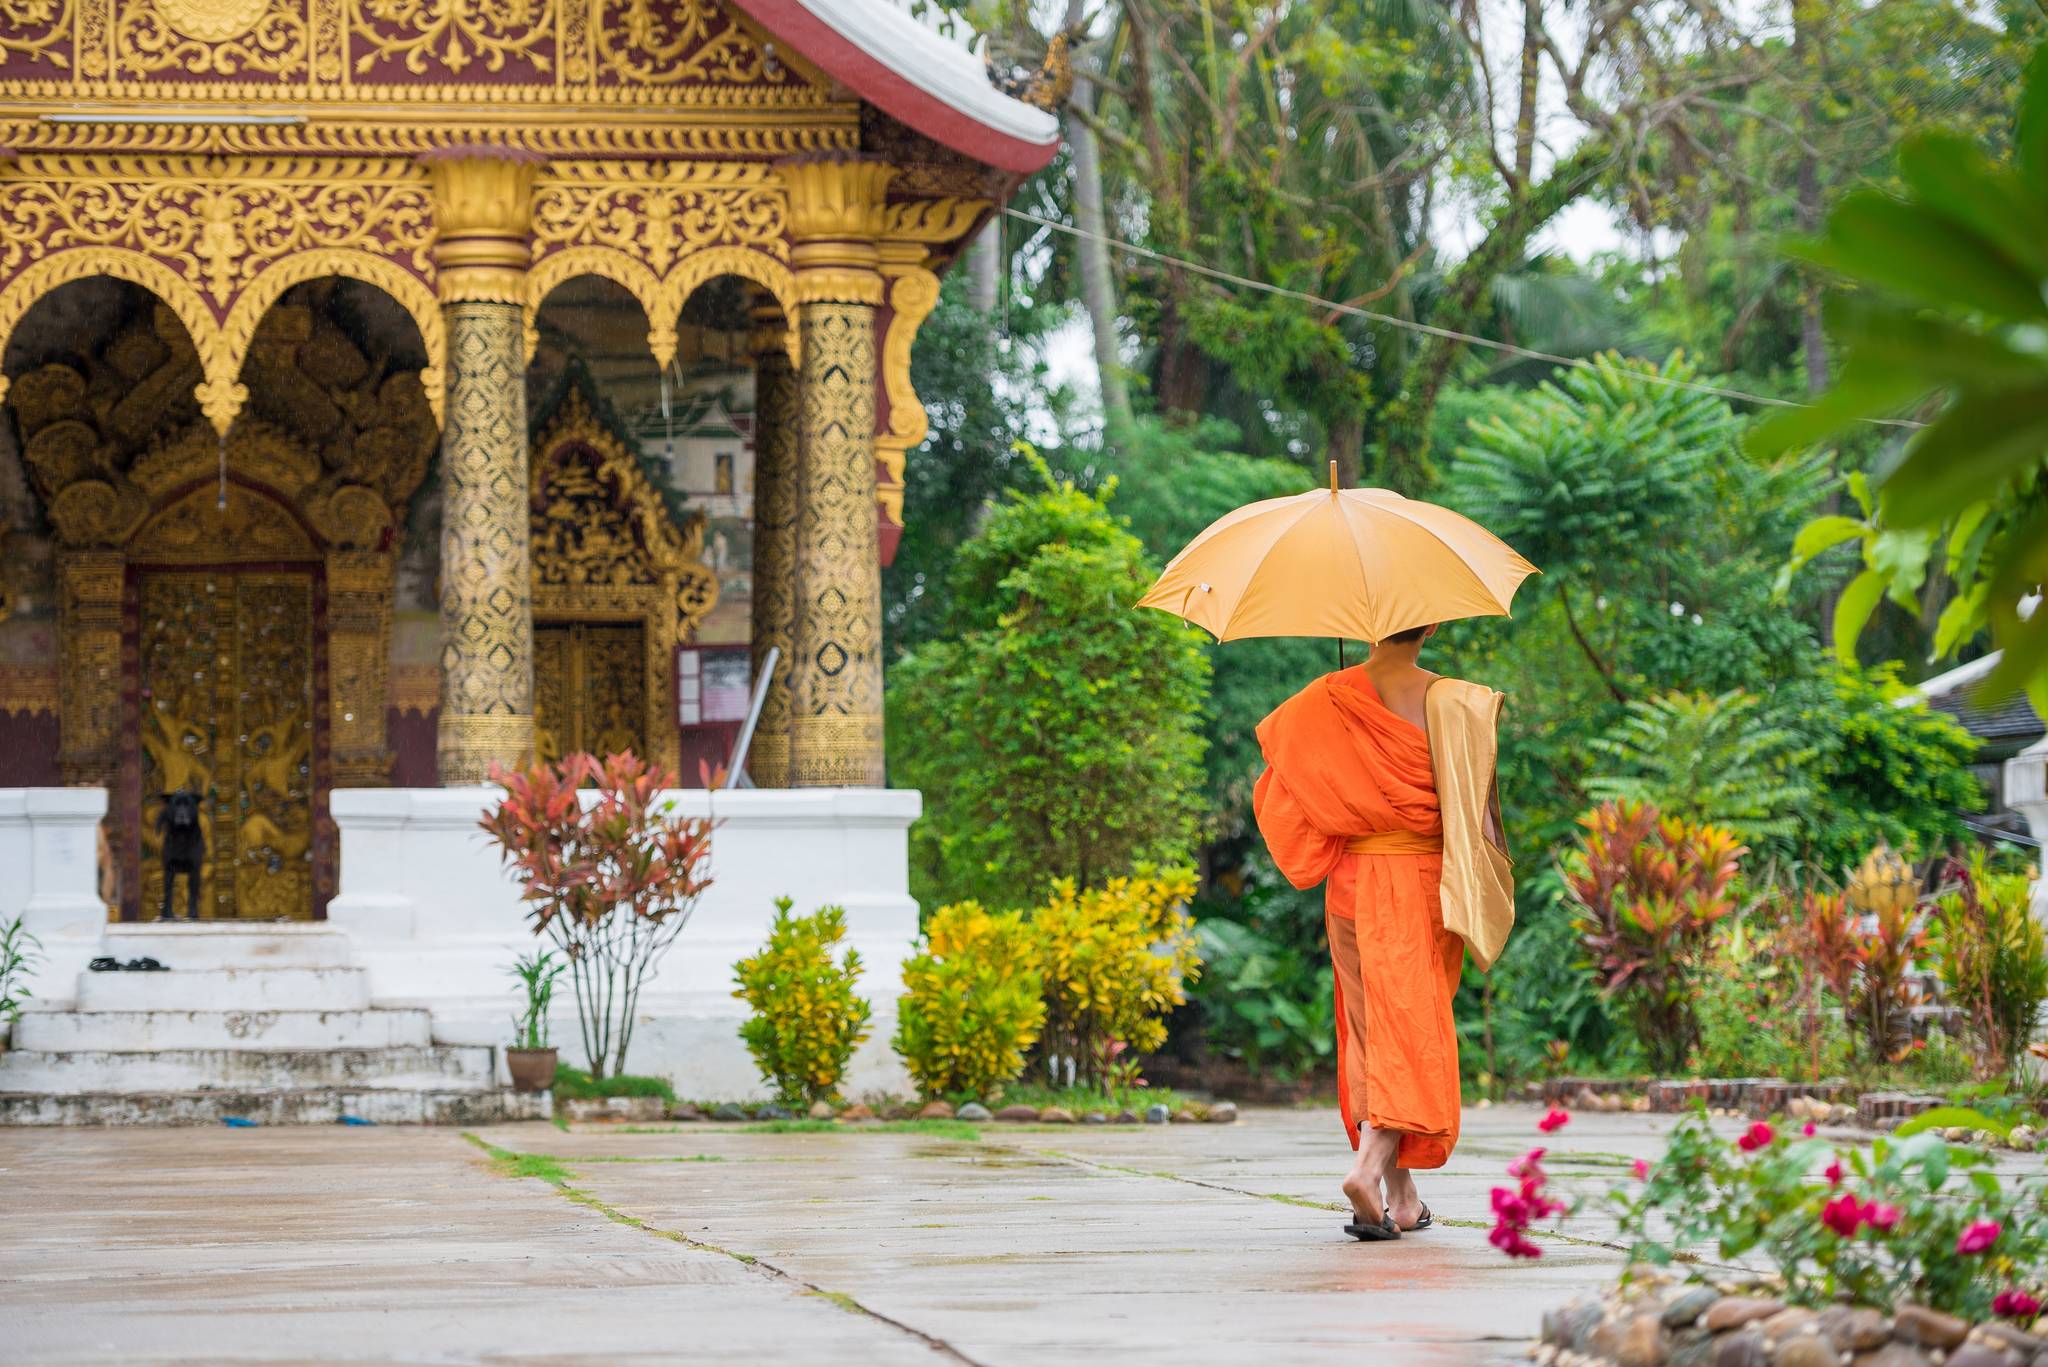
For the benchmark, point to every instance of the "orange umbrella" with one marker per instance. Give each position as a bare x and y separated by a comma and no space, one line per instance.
1357,564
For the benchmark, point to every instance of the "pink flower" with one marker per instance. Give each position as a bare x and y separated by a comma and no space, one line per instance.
1642,1170
1556,1120
1807,1129
1843,1215
1881,1218
1979,1236
1510,1241
1759,1136
1834,1172
2015,1304
1528,1165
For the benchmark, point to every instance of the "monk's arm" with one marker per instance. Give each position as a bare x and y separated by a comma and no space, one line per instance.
1302,853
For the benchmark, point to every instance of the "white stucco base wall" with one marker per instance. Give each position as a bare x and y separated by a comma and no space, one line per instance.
2026,792
437,922
49,877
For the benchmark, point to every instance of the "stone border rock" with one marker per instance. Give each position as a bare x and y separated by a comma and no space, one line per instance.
1657,1320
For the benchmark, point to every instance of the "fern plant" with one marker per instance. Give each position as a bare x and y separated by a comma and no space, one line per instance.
1717,760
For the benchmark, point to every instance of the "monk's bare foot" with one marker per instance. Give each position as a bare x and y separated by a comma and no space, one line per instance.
1362,1190
1376,1150
1404,1202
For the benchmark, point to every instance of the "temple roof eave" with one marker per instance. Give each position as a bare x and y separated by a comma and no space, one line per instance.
917,76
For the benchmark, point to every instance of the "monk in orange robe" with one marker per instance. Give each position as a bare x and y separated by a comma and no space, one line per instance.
1349,798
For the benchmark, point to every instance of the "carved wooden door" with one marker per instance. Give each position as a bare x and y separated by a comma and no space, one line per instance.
589,689
225,674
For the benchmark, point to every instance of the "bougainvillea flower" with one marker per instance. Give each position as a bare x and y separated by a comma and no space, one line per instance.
1510,1241
1556,1120
1528,1165
1808,1129
1642,1170
1979,1236
1834,1172
1881,1218
2015,1304
1758,1136
1843,1215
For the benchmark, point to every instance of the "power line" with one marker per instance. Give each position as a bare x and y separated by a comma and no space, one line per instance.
1410,325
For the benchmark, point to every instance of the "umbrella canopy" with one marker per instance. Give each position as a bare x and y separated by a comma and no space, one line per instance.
1357,564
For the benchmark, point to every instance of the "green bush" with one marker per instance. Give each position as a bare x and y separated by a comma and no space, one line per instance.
1761,1015
1716,760
1056,731
574,1084
973,1002
807,1021
1266,1003
1115,959
1993,960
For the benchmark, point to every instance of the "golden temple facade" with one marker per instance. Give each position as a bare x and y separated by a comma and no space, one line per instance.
316,471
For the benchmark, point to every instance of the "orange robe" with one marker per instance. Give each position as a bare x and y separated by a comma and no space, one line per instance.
1343,769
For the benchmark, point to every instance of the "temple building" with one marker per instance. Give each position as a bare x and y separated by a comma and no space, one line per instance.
396,390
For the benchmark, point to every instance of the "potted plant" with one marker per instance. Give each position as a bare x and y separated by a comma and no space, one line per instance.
19,952
531,1058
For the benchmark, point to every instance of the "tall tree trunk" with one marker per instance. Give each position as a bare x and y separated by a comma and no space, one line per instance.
1406,438
1807,212
1098,287
1347,440
984,267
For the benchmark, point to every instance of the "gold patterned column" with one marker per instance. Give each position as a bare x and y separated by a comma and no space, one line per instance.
482,205
835,728
776,453
90,585
359,585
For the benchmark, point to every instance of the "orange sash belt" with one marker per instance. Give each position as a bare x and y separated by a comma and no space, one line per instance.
1395,842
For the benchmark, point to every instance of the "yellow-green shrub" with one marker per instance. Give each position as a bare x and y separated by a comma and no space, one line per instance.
1115,959
972,1002
807,1021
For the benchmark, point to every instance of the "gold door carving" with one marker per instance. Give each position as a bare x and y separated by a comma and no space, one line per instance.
589,689
225,672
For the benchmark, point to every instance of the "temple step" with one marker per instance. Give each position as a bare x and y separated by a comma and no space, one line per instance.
152,1031
229,944
321,1106
434,1068
227,989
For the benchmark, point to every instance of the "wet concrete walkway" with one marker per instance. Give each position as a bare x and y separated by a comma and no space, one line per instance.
712,1244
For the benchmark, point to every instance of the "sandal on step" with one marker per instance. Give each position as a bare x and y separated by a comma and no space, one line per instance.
103,964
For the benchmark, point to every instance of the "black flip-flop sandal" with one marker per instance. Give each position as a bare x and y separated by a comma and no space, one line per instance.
1423,1221
1370,1234
103,964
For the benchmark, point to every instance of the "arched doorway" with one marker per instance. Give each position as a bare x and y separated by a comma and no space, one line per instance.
223,605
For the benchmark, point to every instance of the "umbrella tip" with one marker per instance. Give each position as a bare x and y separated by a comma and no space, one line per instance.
1333,476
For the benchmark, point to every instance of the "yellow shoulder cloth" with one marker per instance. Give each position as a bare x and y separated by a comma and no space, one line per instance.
1478,878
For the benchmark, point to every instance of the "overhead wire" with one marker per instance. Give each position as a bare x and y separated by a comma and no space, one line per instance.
1410,325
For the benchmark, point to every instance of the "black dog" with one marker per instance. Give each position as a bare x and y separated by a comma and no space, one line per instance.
184,848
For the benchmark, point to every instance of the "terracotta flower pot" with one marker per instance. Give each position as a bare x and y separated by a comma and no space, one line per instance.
533,1070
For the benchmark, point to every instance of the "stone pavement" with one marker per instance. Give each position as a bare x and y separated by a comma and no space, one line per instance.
711,1244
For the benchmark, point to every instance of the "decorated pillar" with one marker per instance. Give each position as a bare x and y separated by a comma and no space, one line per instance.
776,453
482,206
835,685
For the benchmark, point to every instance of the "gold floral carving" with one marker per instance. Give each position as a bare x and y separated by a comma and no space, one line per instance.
658,230
596,53
486,589
89,590
835,735
451,35
218,242
605,549
705,135
913,293
36,31
28,688
941,220
223,38
359,596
